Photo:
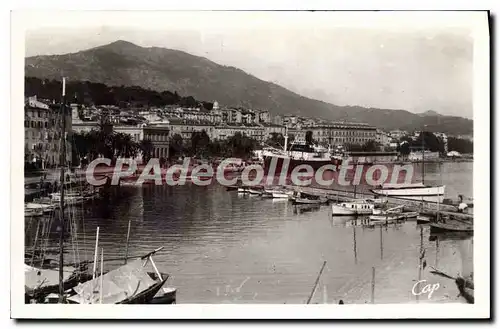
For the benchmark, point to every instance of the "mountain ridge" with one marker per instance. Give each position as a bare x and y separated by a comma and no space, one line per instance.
125,63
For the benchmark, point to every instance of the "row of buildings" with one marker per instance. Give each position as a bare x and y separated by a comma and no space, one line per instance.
42,127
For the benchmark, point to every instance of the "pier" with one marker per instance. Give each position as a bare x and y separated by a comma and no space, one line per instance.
426,207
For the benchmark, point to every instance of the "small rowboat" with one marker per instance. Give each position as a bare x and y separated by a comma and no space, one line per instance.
307,201
388,218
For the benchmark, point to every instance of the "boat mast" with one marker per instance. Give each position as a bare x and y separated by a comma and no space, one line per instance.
62,161
423,154
286,139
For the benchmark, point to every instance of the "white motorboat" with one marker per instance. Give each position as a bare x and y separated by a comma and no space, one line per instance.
355,207
277,193
414,191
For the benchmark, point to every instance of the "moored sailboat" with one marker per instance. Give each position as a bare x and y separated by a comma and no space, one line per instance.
128,284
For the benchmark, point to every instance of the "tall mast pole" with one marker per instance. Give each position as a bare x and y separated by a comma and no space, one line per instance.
286,139
423,154
62,162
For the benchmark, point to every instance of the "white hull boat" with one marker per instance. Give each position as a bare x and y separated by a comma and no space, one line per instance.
387,217
354,208
416,192
278,194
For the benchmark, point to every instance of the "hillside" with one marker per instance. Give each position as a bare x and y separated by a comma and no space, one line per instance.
122,63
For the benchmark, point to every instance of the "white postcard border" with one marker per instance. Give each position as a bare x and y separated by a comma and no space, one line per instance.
481,309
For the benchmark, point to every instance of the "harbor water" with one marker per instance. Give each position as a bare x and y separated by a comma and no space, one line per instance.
222,247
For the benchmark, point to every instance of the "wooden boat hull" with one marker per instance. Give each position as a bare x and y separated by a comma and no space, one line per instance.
466,289
448,235
299,201
165,296
144,297
446,227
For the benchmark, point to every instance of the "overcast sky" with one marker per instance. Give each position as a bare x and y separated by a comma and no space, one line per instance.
404,64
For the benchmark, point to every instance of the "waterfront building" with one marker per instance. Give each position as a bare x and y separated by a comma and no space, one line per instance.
383,138
342,133
159,136
297,134
136,132
42,132
256,132
270,129
186,128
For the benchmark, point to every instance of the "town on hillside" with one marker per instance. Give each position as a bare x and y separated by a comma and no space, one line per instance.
171,131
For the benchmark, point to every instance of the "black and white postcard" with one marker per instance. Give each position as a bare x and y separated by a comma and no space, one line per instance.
250,164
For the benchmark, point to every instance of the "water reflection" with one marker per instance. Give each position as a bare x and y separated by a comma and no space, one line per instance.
224,247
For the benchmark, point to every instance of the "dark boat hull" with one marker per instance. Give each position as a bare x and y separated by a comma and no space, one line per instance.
38,295
145,296
443,227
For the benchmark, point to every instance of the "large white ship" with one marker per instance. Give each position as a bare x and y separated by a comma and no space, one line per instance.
299,153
